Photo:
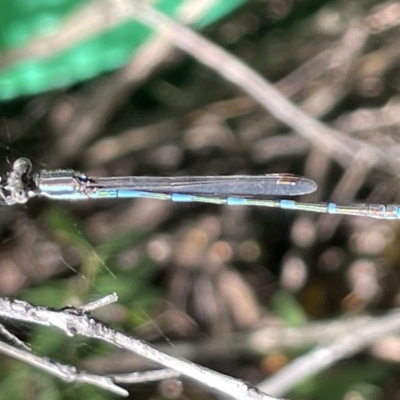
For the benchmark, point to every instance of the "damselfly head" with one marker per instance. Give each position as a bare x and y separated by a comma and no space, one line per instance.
16,187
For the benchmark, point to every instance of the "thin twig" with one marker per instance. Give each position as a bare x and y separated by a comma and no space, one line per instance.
254,343
146,376
103,301
325,356
13,339
64,372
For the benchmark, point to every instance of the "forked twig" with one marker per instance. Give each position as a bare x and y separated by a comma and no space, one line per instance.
77,321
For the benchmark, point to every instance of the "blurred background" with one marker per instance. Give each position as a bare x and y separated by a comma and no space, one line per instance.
200,281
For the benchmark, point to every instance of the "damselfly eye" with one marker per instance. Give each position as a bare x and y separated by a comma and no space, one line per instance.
20,196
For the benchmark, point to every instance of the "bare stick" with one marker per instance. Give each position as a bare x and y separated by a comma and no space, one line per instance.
324,357
331,141
73,321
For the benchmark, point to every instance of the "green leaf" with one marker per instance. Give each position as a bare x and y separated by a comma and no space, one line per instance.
288,308
24,21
